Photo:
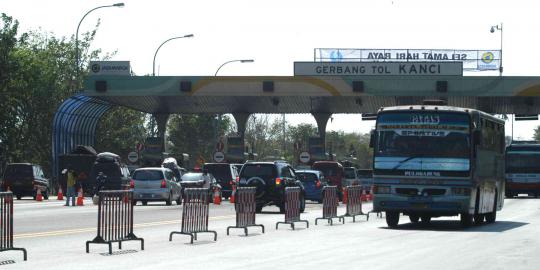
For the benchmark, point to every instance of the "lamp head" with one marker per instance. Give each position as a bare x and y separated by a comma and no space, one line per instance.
188,36
247,61
118,5
492,30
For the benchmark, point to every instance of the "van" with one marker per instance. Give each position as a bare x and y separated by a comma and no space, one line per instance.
24,179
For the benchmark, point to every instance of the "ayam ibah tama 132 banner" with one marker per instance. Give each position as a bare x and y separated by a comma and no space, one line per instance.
472,59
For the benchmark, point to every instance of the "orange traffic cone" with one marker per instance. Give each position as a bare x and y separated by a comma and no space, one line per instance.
39,197
233,194
60,194
345,195
217,197
80,199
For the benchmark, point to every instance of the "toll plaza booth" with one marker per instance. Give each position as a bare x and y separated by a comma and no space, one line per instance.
337,81
235,150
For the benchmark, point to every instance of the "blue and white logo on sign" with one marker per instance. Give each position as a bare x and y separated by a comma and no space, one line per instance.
336,56
487,57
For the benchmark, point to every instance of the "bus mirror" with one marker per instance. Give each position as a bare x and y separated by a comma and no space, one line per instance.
477,137
372,138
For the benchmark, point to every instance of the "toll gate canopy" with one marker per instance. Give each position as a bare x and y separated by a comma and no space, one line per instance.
76,119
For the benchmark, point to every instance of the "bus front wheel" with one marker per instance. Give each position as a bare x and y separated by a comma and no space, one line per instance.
491,217
392,219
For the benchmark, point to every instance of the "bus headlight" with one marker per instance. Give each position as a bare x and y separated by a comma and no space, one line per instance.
381,189
461,191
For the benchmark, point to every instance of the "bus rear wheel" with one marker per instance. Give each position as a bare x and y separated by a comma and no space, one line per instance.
425,219
466,220
414,218
392,219
478,219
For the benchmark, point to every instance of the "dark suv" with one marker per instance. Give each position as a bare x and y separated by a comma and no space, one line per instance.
24,179
270,179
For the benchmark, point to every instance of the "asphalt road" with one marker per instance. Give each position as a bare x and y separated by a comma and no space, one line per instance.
55,238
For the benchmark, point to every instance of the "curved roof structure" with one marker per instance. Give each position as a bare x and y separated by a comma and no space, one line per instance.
75,124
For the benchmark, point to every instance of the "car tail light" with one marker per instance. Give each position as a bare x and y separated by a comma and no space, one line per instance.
278,181
381,189
163,183
237,179
131,184
318,185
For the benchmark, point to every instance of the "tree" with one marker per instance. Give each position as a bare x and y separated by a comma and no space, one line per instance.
37,73
195,134
113,135
536,135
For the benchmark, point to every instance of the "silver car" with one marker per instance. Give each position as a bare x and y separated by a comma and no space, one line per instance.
155,184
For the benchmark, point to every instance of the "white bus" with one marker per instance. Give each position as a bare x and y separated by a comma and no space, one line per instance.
432,161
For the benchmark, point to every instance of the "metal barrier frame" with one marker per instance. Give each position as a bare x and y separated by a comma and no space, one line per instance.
245,206
115,219
6,223
292,207
330,202
195,213
354,203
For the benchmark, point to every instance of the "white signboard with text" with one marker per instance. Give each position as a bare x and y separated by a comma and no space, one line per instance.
471,59
377,68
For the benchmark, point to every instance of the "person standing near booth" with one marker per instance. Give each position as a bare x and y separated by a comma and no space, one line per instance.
70,186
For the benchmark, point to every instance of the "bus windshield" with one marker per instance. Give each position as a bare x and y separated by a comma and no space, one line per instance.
423,134
522,162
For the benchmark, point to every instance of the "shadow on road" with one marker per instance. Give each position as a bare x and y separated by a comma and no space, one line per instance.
452,225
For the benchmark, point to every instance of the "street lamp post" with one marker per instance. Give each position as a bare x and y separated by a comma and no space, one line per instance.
219,115
155,54
492,30
77,33
239,60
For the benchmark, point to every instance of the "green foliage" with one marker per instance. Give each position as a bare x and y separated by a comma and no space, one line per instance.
536,135
37,73
113,135
195,134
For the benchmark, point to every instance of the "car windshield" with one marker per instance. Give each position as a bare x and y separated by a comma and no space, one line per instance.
18,170
349,173
221,172
307,177
144,175
423,134
192,177
260,170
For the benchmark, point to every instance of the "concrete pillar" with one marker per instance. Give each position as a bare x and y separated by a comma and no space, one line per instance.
241,119
161,120
322,120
